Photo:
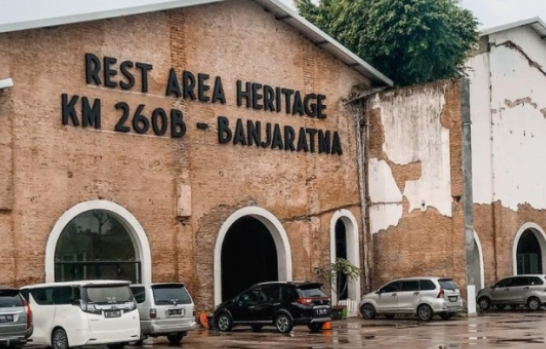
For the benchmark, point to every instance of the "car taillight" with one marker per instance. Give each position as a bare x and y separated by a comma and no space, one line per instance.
441,294
89,308
29,313
305,301
153,313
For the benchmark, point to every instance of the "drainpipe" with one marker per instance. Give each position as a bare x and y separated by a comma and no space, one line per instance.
467,197
361,159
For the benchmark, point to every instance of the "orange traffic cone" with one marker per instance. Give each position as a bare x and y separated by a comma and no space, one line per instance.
203,320
327,326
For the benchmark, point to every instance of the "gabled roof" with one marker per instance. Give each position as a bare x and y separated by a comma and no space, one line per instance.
534,23
281,11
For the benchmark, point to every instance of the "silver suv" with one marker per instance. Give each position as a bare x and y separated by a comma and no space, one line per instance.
424,296
165,309
527,290
15,318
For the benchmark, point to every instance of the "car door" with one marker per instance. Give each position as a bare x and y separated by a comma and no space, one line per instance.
266,309
244,309
387,298
518,290
500,292
535,287
408,296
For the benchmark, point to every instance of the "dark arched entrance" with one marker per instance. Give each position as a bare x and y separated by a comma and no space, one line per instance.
341,252
529,254
249,256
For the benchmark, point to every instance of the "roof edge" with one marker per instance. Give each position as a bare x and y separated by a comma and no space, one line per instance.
513,25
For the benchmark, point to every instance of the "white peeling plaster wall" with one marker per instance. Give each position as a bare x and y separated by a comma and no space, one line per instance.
518,125
480,107
413,133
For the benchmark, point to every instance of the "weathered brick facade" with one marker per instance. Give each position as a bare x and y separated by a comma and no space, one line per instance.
48,167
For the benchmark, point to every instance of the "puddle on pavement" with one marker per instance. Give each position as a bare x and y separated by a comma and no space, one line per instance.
521,340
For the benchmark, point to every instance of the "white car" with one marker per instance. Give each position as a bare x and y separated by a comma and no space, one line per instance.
166,309
424,296
92,312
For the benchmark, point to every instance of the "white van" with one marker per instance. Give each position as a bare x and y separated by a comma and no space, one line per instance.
73,314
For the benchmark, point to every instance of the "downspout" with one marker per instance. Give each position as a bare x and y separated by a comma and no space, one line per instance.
361,153
468,201
355,105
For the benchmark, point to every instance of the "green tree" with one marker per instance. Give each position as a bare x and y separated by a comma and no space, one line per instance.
410,41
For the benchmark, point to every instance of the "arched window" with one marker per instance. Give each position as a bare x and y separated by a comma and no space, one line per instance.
96,245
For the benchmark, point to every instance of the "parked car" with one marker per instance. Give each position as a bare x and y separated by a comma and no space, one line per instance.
15,318
166,309
527,290
74,314
424,296
282,304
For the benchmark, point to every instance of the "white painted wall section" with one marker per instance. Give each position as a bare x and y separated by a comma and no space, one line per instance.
421,138
480,99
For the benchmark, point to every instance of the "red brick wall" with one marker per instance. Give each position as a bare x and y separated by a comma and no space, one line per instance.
56,167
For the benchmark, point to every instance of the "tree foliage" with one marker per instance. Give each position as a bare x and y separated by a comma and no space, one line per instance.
410,41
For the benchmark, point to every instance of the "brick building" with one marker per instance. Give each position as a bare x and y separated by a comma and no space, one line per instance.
417,182
209,144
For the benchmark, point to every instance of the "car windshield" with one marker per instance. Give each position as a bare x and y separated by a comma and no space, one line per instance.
448,284
107,294
10,298
170,294
309,291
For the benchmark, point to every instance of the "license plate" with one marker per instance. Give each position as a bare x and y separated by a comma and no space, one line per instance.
452,298
6,318
321,311
112,313
175,312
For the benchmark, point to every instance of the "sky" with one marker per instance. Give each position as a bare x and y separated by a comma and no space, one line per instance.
492,13
489,12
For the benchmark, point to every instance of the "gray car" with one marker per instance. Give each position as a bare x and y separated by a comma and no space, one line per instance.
526,290
165,309
423,296
15,318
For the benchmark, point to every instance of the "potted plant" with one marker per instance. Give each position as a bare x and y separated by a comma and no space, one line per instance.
332,274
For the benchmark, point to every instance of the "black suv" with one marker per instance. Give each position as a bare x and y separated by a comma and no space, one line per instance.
283,304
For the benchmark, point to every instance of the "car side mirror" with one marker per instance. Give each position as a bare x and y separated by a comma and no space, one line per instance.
493,287
378,292
76,302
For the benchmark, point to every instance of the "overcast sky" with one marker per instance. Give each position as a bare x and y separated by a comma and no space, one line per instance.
497,12
489,12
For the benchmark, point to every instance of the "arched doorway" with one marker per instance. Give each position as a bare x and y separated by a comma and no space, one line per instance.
528,250
249,256
344,243
98,240
254,240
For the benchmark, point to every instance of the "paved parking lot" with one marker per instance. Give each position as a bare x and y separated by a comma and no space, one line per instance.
508,329
495,330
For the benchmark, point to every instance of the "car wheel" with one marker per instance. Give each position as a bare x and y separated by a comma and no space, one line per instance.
284,323
389,316
368,311
256,328
175,338
224,322
59,339
446,316
484,303
424,312
533,303
116,346
315,326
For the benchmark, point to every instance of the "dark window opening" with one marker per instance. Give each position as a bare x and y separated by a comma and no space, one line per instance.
529,254
341,252
96,245
249,256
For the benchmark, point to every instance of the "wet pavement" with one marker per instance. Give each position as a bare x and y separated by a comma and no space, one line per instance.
495,330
